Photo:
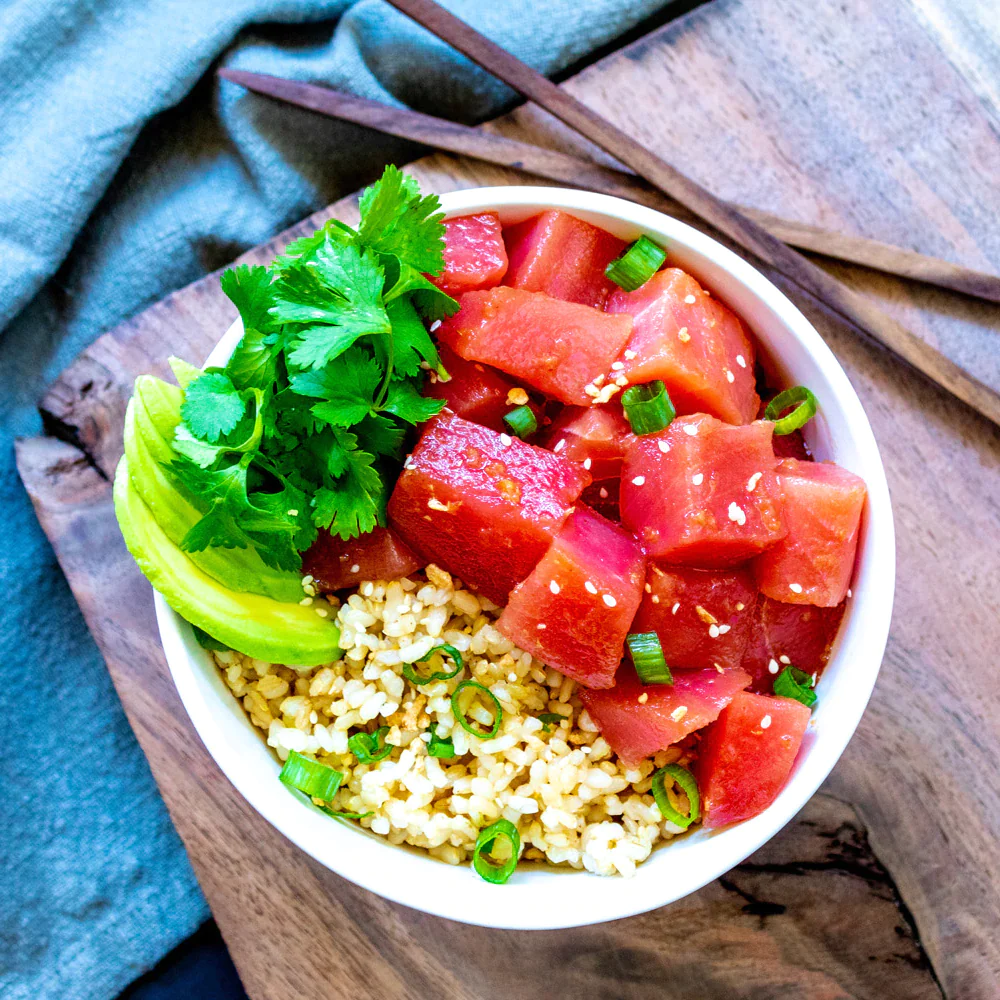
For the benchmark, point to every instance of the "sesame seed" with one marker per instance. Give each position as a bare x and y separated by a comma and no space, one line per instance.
718,667
617,366
663,446
293,513
772,666
673,610
723,629
435,325
795,588
356,568
603,493
587,464
308,578
814,675
540,626
609,600
648,589
741,361
590,588
690,300
691,429
322,612
560,444
698,478
740,605
706,616
765,722
517,396
630,355
730,377
682,335
643,698
713,631
656,598
784,659
506,440
678,713
306,601
553,586
849,592
436,504
753,481
736,514
639,480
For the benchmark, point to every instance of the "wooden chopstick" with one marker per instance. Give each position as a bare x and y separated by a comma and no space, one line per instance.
439,133
857,310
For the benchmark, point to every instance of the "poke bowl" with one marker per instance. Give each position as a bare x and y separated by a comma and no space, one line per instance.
596,840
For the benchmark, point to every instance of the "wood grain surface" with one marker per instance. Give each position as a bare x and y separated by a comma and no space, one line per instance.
882,135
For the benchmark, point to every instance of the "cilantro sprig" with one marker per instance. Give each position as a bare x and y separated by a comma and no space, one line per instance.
304,427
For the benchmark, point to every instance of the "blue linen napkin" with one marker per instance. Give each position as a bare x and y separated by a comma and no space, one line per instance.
127,171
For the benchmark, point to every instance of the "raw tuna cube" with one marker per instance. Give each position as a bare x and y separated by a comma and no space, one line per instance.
703,618
636,729
745,757
474,392
474,254
789,634
574,610
483,505
813,563
692,342
562,256
378,555
595,437
557,347
703,493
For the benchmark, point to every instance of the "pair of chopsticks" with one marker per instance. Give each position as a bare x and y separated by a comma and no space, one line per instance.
763,235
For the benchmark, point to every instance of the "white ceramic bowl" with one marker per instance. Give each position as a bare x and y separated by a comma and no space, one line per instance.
538,897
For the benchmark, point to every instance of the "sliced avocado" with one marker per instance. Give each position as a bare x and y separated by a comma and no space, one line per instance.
238,569
258,626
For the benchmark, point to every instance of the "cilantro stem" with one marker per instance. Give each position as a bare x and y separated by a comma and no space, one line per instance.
383,391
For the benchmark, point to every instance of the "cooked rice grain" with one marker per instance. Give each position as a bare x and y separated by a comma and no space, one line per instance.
572,800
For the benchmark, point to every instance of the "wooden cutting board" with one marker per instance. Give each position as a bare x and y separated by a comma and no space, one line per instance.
875,119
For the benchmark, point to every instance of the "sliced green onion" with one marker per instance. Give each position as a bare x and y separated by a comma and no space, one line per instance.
370,748
647,655
456,657
797,684
318,781
521,421
207,641
438,747
486,867
684,779
805,409
648,407
342,814
636,265
467,723
551,719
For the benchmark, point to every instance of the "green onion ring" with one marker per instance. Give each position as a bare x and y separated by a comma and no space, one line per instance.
485,867
648,407
804,411
682,777
456,657
522,421
797,684
636,265
438,747
460,716
370,748
647,656
318,781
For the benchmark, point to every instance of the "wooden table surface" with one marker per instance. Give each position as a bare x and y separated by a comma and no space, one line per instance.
876,119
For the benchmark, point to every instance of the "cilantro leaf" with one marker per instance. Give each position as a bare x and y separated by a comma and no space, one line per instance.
381,435
254,363
337,297
212,406
404,401
347,387
397,220
249,289
410,340
353,506
401,279
305,248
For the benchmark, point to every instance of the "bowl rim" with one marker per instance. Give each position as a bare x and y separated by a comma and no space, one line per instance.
416,880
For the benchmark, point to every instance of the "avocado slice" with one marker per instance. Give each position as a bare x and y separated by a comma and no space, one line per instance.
258,626
238,569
